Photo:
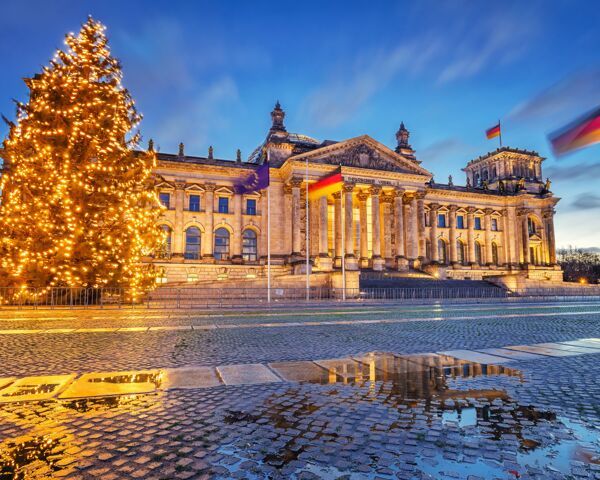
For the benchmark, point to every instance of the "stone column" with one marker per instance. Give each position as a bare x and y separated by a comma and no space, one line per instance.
413,230
236,241
296,217
385,204
378,262
364,241
523,215
487,223
433,232
471,234
262,247
287,220
421,223
452,224
549,222
400,252
337,202
348,221
325,261
207,241
178,233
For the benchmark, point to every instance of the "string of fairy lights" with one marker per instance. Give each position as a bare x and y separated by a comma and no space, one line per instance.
78,208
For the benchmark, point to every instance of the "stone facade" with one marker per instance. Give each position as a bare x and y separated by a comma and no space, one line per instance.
394,216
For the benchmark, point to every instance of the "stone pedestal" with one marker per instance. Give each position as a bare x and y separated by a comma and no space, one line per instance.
325,264
351,262
378,264
401,264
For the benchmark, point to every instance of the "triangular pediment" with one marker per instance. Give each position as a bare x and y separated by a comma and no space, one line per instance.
363,152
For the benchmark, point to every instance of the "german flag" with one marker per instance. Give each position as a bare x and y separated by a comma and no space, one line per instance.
582,132
493,132
330,183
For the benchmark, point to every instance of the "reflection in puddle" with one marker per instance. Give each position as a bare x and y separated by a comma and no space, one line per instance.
114,383
16,457
439,408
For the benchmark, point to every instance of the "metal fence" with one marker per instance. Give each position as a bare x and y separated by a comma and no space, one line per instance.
195,297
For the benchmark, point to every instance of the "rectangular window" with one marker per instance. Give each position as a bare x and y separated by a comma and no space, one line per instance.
442,220
223,205
194,203
477,223
495,224
460,222
250,206
165,199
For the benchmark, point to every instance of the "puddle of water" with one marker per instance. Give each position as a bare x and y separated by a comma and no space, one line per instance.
420,389
113,383
16,457
34,388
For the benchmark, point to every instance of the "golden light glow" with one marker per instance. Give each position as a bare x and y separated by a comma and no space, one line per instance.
78,205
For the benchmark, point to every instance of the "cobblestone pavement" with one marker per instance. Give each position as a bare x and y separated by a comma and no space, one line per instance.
534,418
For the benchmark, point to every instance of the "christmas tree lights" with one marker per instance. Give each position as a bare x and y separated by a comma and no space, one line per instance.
78,207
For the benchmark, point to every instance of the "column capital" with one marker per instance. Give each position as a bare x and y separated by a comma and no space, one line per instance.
387,198
504,212
337,195
488,211
375,190
453,208
419,195
363,195
287,189
295,182
180,185
523,212
210,187
348,187
398,192
434,206
548,213
471,210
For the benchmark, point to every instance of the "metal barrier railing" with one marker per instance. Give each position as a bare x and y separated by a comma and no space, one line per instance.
202,297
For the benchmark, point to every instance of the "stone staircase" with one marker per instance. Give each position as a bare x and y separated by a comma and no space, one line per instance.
421,280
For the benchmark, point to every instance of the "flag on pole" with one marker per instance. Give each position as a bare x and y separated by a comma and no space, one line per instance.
330,183
493,132
258,180
579,134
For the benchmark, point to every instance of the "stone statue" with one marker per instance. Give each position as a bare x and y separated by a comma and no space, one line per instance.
450,182
501,187
238,155
150,145
521,184
210,152
484,185
547,185
181,154
468,182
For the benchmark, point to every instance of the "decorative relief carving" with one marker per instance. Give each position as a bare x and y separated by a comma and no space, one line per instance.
296,182
488,211
375,190
348,187
210,187
363,196
363,156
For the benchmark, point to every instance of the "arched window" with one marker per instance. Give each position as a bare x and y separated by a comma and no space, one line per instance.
249,246
442,253
478,253
476,182
192,243
165,248
495,253
531,226
221,244
460,252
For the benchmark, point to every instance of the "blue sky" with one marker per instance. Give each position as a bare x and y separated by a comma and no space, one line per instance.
208,73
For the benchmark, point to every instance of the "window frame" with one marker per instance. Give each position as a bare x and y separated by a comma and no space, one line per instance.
249,255
194,195
222,251
222,199
253,210
192,254
167,205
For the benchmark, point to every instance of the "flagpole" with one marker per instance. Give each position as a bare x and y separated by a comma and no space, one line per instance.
269,232
307,235
500,129
343,242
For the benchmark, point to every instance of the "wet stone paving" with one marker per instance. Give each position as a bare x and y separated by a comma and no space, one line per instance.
508,405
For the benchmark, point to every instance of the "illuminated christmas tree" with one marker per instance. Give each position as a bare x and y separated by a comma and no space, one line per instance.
78,208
